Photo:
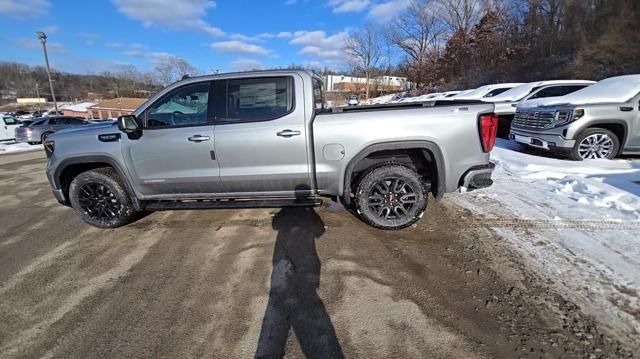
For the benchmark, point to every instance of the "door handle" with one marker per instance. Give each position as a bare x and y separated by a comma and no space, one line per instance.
288,133
199,138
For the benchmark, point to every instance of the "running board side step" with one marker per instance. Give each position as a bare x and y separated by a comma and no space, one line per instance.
221,204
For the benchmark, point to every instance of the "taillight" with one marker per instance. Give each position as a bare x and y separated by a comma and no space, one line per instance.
488,131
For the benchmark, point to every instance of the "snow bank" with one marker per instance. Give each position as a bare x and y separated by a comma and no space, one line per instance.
14,147
576,223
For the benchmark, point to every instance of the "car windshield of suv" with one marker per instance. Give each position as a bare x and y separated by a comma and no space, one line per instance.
10,121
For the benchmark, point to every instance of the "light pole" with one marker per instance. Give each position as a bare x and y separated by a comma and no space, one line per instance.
43,39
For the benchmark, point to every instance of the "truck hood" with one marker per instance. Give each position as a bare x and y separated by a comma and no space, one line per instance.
93,128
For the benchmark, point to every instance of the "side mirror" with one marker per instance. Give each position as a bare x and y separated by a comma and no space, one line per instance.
128,124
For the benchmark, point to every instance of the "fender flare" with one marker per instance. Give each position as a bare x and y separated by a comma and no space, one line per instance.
64,164
596,123
429,146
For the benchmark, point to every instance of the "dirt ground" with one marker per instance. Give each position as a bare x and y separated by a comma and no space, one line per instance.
266,283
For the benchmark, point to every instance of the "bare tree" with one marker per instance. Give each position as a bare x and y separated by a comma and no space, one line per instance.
418,32
461,15
364,49
172,68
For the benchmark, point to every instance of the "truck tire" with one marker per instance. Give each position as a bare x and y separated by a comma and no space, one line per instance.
391,197
595,143
101,199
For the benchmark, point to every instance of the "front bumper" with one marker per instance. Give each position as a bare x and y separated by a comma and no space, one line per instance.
477,177
549,142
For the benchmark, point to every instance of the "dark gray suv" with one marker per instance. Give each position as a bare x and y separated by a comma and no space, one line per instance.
41,128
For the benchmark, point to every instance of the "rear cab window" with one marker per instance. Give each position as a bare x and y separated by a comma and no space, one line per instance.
257,99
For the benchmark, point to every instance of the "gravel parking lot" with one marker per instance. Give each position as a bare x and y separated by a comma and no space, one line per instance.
243,283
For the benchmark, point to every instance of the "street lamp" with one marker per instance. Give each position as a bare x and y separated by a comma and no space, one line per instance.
43,39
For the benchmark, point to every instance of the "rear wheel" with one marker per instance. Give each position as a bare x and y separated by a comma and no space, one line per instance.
100,199
391,197
595,143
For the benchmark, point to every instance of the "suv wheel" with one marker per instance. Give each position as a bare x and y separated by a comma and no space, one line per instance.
391,197
101,199
595,143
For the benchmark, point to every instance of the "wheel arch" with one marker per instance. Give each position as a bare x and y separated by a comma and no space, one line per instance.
432,149
69,168
618,127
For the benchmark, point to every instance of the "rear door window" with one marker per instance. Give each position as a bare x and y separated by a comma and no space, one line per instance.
10,121
260,99
496,92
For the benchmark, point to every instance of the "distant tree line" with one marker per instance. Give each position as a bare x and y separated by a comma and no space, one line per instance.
20,80
447,44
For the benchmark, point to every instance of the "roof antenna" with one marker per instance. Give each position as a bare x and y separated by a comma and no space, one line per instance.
185,76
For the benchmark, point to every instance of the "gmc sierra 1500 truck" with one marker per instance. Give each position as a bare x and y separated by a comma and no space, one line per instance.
600,121
265,139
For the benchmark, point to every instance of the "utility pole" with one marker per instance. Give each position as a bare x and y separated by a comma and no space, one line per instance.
43,39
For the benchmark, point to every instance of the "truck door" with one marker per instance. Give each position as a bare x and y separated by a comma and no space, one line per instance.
174,155
633,137
260,137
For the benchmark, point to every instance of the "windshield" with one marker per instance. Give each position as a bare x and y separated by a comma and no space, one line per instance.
514,94
9,121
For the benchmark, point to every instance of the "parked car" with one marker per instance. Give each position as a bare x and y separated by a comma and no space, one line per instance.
353,100
484,92
600,121
265,139
507,101
7,127
41,128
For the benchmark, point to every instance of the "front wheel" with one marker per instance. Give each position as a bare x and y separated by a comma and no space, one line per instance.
391,197
100,199
595,143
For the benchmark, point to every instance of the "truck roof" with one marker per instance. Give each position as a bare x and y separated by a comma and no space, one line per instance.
223,75
481,91
619,89
518,92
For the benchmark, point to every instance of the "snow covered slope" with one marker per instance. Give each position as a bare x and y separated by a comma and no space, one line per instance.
577,223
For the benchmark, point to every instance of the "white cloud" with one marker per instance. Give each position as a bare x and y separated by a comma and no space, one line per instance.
183,14
24,8
48,29
290,2
114,45
387,10
318,44
266,35
345,6
135,50
35,44
239,47
245,65
284,35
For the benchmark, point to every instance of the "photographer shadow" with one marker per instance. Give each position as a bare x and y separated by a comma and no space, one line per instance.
294,303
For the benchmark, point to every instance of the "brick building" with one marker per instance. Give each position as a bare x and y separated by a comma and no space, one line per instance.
116,107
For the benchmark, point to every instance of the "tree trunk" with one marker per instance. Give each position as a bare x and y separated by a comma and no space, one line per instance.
367,86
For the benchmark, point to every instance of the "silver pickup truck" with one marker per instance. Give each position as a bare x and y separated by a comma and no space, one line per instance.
264,139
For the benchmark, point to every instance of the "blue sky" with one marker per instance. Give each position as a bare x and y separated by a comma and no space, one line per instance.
225,35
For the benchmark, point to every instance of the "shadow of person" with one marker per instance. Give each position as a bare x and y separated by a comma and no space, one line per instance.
293,299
